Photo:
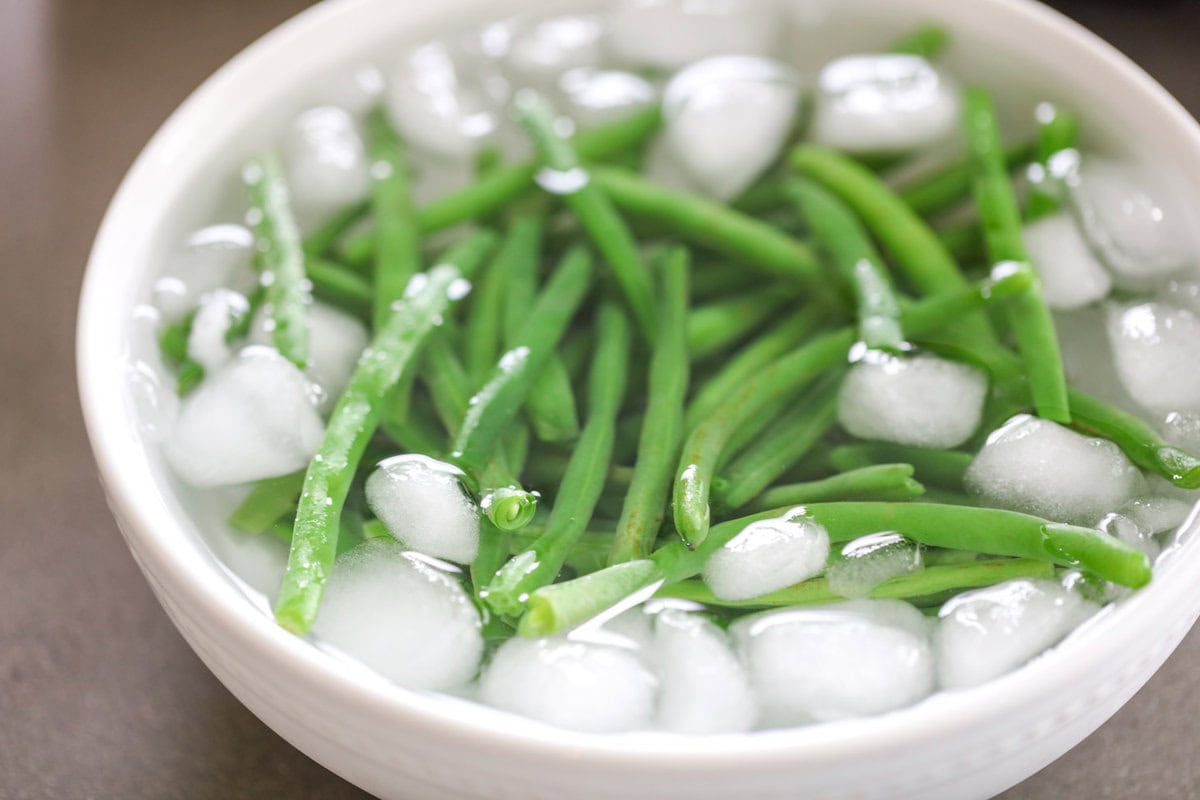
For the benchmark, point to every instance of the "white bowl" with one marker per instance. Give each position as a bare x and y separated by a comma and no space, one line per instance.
398,743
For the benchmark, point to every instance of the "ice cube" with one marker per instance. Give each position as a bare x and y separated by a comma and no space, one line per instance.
1155,349
727,117
356,89
1088,358
538,55
596,97
423,504
326,164
703,688
667,34
1130,221
870,560
1040,467
435,106
853,659
1070,274
983,634
212,257
883,103
434,178
254,418
401,615
218,311
921,400
575,685
1155,515
767,555
1121,527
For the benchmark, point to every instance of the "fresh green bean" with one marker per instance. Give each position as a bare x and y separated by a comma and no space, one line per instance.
493,550
944,468
927,41
583,480
714,281
713,327
269,501
397,238
1057,131
483,331
550,404
564,176
841,235
710,224
351,425
319,242
915,248
952,185
280,256
780,446
1028,315
925,582
783,378
562,606
495,404
662,427
892,482
340,287
964,242
750,359
764,195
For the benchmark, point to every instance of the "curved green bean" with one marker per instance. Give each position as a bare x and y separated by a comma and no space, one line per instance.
841,235
944,468
889,482
397,239
563,175
662,427
952,185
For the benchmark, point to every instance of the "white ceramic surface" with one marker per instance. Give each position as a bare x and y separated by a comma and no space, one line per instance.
400,744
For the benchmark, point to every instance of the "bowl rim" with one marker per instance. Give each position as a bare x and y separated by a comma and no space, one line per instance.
155,533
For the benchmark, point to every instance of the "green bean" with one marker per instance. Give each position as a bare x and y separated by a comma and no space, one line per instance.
583,480
280,256
550,404
340,287
916,249
1057,131
269,501
964,242
1000,215
780,446
446,377
710,224
927,41
713,327
483,331
841,235
501,185
952,185
495,404
561,606
563,175
764,195
1137,439
782,379
350,427
944,468
173,339
750,359
875,482
397,238
925,582
714,281
322,239
493,550
662,427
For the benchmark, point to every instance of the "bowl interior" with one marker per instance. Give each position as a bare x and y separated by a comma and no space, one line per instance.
187,177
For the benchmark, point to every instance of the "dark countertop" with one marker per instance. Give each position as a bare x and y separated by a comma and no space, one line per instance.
99,696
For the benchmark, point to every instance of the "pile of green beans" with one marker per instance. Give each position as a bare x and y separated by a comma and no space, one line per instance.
623,406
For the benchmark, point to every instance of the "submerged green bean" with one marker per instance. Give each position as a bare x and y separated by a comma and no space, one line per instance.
662,427
944,468
583,480
397,239
887,482
280,256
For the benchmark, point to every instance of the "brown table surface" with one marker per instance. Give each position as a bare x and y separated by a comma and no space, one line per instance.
99,696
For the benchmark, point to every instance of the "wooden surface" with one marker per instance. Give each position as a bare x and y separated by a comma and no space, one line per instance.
99,697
